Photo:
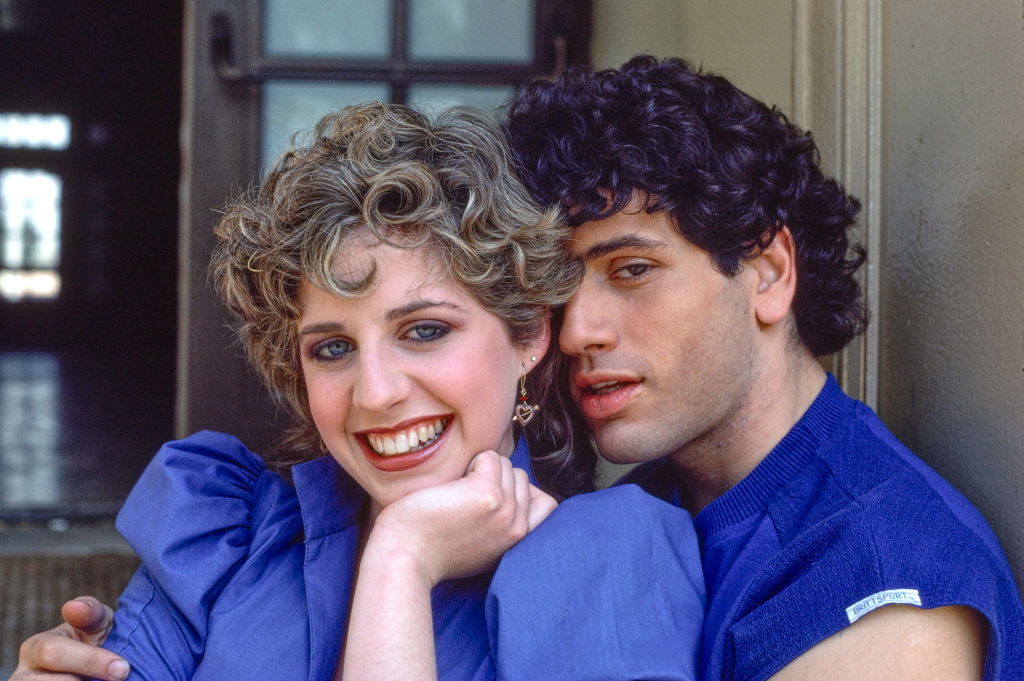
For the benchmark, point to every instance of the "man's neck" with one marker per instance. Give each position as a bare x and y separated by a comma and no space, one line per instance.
710,466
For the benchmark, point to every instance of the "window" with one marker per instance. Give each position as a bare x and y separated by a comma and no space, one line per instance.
318,55
30,208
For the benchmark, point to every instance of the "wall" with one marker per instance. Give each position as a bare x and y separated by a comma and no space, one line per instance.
751,46
952,318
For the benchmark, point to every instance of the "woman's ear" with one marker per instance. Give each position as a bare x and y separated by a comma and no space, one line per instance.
534,349
776,272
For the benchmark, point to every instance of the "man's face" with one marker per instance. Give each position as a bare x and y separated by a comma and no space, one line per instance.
664,347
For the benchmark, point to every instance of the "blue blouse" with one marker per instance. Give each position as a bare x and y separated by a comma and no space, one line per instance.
245,576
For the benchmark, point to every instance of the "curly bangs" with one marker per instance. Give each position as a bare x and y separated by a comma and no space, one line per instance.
730,170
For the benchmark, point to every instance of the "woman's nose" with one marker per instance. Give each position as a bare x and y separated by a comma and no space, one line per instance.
380,383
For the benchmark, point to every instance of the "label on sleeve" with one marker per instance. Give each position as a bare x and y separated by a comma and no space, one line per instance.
875,601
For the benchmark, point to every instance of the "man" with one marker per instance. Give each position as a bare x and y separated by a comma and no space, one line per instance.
716,270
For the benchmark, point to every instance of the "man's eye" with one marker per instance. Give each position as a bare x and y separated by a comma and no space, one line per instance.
632,271
331,350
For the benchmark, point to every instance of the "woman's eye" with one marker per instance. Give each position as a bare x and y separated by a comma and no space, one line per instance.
426,332
331,350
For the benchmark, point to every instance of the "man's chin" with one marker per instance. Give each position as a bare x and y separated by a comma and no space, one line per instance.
616,445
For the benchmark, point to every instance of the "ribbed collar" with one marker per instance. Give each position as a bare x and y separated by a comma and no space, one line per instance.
331,500
788,457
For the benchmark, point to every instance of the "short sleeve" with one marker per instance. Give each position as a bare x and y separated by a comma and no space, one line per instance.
190,518
608,587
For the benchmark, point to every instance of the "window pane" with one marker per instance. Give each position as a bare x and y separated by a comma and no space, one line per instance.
290,107
471,30
30,430
30,218
18,285
35,131
327,28
29,234
432,97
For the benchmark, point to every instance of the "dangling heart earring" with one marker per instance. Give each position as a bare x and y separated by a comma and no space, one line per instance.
524,410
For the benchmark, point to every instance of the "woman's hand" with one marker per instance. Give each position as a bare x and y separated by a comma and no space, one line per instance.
462,528
71,649
457,529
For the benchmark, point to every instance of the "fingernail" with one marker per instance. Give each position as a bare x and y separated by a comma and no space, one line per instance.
119,669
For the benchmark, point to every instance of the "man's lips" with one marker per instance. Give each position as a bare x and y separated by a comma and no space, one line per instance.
404,446
602,396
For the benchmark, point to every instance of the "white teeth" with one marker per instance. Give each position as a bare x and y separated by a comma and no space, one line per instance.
411,440
604,386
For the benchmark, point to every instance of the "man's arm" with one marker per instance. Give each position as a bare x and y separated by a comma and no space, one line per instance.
71,648
899,643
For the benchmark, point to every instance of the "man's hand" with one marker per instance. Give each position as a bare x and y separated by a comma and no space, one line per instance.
463,527
72,649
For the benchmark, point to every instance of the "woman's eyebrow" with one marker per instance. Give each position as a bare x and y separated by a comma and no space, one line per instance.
397,313
392,315
321,327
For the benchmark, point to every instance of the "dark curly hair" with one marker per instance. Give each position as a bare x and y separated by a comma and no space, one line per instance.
729,169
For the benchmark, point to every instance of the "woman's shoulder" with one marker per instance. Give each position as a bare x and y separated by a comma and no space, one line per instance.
203,468
205,500
205,513
207,450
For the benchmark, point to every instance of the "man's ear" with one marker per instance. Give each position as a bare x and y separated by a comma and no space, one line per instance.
775,266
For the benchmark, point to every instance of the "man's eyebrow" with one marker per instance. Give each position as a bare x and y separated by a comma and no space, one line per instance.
599,250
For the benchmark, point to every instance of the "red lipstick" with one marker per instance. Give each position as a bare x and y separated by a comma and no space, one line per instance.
402,462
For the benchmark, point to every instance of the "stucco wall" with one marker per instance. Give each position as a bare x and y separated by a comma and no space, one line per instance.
951,380
751,45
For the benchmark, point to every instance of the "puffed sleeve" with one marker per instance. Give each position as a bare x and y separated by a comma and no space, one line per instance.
608,587
190,518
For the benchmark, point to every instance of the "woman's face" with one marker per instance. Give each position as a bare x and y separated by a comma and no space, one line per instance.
407,383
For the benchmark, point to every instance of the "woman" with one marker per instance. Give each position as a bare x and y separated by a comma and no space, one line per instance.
392,283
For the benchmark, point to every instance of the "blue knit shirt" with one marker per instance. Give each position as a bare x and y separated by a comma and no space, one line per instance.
839,519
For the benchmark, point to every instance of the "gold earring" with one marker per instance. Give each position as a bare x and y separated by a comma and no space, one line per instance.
524,410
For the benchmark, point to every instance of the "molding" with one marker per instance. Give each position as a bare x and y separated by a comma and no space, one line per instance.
837,92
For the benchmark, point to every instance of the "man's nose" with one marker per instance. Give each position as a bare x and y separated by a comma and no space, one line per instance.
587,327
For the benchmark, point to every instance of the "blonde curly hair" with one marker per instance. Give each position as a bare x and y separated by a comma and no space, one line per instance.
445,184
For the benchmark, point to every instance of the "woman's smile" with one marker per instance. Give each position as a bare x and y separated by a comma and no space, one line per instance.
403,448
406,439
